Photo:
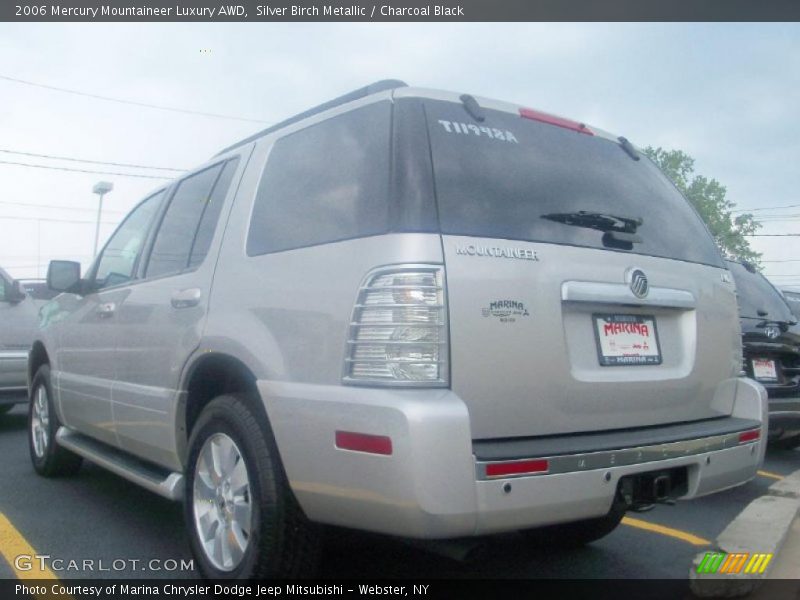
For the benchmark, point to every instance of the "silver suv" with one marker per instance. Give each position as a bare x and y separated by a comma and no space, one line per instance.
406,311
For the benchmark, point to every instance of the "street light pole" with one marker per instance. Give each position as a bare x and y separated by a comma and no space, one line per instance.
101,188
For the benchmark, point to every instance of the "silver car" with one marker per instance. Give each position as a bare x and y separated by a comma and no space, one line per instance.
406,311
18,321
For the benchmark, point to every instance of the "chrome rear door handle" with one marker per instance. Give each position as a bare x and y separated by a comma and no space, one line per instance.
186,298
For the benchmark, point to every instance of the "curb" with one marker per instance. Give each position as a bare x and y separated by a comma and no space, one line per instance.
761,527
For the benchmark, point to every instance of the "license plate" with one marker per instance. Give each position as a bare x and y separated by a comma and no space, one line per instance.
626,340
764,369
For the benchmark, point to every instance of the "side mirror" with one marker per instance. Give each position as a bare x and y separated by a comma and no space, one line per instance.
64,275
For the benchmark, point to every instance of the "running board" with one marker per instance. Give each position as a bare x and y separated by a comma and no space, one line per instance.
163,482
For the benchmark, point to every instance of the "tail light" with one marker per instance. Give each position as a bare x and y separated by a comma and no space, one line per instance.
398,333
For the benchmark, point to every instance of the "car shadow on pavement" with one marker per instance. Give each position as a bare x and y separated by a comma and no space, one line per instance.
16,420
355,554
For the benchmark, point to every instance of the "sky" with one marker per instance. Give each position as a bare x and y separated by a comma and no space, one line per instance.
726,94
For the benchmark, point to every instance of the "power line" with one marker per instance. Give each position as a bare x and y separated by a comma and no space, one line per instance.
782,261
19,164
765,208
771,234
131,102
95,162
26,205
54,220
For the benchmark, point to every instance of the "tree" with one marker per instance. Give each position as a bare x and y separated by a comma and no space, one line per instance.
708,197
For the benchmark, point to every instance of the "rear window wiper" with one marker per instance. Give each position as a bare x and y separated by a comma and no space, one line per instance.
621,229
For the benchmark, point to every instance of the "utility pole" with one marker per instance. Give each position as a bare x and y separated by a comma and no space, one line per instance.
101,188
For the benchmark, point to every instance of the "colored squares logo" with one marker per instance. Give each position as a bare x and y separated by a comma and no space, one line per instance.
734,563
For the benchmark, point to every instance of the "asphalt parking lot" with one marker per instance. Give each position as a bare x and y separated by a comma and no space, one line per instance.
101,517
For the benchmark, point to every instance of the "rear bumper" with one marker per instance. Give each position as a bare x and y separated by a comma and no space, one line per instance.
432,485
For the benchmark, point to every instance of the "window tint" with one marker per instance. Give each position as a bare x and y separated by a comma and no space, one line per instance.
325,183
119,256
208,222
195,197
793,298
754,293
501,177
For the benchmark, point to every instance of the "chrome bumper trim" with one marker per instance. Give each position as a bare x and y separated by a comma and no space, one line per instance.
572,463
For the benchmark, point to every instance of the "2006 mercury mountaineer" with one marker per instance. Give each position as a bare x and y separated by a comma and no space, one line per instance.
405,311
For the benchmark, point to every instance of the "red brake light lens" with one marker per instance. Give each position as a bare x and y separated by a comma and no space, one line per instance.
364,442
749,436
517,467
535,115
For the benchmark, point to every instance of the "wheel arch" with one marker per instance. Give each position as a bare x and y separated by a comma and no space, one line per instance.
37,357
206,377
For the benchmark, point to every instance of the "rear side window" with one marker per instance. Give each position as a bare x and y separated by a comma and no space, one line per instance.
499,179
325,183
188,225
210,217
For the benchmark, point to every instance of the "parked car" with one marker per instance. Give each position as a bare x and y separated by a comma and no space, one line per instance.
793,299
38,290
771,340
18,321
405,311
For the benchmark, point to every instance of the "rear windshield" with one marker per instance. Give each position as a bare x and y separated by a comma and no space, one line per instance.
756,294
498,178
793,298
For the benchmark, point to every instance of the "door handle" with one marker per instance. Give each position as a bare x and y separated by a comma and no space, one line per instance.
186,298
106,309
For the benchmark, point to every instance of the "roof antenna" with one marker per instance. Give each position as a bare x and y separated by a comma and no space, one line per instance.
473,108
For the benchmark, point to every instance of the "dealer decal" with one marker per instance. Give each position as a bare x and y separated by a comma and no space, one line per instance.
507,311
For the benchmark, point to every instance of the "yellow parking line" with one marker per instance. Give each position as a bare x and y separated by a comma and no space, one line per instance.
770,475
689,538
14,545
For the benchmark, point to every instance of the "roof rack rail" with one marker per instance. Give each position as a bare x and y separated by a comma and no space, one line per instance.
373,88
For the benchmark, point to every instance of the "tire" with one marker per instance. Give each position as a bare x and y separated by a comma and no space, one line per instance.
248,496
48,458
578,533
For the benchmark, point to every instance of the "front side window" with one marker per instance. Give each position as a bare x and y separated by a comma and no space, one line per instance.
188,225
118,260
325,183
